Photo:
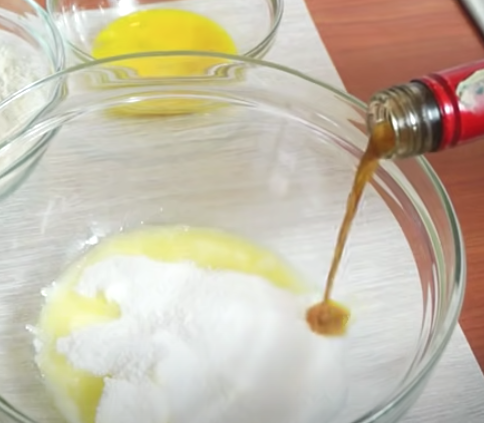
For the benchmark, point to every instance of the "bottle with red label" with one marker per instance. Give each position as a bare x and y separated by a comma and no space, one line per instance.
438,111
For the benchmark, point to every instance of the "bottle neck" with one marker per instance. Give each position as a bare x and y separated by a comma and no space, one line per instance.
414,114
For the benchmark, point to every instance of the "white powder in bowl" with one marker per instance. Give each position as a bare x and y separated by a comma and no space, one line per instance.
20,65
197,345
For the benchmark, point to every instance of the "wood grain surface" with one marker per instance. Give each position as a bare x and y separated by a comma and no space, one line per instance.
377,43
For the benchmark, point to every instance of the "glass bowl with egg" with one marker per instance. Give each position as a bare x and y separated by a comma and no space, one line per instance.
140,245
98,29
31,48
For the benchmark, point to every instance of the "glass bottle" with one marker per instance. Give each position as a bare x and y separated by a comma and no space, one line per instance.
432,113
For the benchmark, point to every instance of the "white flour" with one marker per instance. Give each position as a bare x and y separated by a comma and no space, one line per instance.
20,65
199,346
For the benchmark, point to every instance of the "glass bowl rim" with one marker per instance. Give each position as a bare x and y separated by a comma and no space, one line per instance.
256,51
55,52
459,271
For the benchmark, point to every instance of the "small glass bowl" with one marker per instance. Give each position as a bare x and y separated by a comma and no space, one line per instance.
272,165
26,23
252,24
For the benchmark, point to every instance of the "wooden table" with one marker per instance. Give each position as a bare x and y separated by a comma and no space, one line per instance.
376,43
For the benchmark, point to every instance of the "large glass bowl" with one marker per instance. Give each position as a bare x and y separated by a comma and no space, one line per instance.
248,147
252,24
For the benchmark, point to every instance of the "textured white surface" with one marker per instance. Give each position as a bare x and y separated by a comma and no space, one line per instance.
156,301
456,389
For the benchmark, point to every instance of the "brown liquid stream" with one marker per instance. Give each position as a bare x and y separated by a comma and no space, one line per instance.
328,317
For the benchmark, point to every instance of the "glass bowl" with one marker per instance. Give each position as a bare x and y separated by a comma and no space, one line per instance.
252,24
28,35
229,149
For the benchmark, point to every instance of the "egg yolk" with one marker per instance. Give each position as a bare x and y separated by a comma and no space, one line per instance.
164,30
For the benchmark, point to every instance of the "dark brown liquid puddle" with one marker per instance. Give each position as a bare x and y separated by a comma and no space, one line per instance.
329,317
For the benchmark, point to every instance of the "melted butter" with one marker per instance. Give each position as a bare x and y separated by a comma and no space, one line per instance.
77,393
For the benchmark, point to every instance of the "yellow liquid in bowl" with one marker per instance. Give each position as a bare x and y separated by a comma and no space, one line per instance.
76,392
164,30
